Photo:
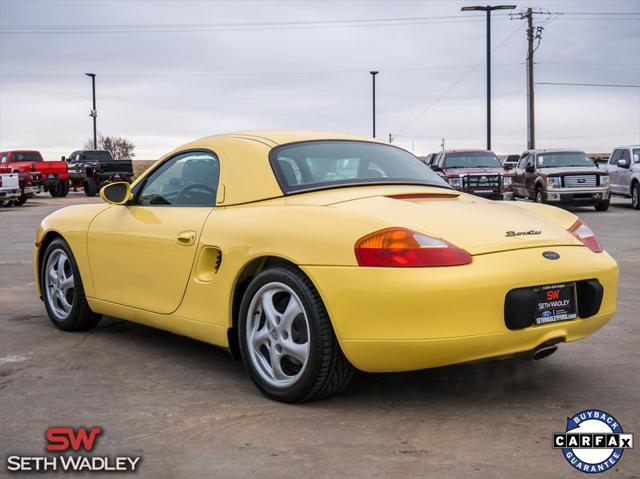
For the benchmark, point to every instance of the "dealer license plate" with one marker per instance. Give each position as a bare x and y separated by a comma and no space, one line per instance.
556,302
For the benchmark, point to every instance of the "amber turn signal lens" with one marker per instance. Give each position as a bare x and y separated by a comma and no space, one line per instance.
401,247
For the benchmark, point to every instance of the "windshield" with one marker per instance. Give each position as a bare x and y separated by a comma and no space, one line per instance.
323,164
564,159
480,159
26,156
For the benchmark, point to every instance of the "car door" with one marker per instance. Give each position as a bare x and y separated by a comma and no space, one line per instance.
624,173
613,169
519,175
530,176
141,254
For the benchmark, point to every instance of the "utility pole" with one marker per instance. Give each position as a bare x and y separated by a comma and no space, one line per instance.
94,113
533,33
531,114
373,78
488,9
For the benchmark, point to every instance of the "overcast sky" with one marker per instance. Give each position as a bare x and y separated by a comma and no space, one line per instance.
169,71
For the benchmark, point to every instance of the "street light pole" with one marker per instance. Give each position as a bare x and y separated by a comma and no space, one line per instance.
373,78
94,112
488,9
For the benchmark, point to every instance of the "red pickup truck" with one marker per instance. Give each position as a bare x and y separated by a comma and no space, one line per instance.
53,176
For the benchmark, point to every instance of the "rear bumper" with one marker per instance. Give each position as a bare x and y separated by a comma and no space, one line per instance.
393,319
10,194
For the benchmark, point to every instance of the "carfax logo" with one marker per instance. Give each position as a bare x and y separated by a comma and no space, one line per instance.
66,440
593,442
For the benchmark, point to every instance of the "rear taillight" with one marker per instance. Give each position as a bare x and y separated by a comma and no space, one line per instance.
586,236
401,247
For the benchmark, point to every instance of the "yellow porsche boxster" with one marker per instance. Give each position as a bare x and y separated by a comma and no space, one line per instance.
309,255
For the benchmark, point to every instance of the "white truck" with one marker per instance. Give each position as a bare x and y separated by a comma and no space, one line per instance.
624,173
9,187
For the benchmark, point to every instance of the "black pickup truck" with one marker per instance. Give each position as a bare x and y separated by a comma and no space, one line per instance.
92,169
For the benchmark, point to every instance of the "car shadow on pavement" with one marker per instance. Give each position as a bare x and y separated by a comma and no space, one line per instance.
504,380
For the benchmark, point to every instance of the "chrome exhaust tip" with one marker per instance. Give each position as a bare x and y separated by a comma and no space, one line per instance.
543,352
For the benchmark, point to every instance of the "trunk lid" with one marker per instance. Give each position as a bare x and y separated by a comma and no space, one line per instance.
477,225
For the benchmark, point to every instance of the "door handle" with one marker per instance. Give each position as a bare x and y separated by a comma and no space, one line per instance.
186,238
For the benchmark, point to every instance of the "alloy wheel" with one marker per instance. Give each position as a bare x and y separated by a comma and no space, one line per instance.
277,334
59,284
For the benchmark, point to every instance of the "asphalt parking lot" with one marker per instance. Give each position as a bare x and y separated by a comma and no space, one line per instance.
190,410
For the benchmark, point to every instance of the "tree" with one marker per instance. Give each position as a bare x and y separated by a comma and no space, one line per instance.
120,148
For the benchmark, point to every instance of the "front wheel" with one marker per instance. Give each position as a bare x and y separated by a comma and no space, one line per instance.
602,206
635,196
21,200
539,198
62,289
286,339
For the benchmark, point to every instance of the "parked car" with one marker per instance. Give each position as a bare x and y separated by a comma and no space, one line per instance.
9,188
509,162
563,177
624,173
92,169
51,175
478,172
29,185
272,245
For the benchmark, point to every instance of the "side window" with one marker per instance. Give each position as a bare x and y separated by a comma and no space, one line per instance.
523,161
626,156
4,159
615,156
188,179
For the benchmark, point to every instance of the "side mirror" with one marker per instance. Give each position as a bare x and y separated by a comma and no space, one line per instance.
623,163
435,167
529,169
116,193
507,166
64,158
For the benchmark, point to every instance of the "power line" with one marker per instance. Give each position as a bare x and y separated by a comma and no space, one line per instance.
455,84
248,74
613,85
233,26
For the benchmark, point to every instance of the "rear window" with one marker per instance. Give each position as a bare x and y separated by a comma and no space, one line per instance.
26,156
96,156
480,159
313,165
564,159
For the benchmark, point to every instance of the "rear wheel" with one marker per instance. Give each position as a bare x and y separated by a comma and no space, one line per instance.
90,186
602,206
62,289
635,196
63,189
286,339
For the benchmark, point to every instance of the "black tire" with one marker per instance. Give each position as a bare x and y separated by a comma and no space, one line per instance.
327,370
90,186
80,317
53,190
539,197
63,189
21,201
602,206
635,195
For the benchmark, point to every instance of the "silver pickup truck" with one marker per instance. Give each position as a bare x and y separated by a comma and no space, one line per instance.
624,171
